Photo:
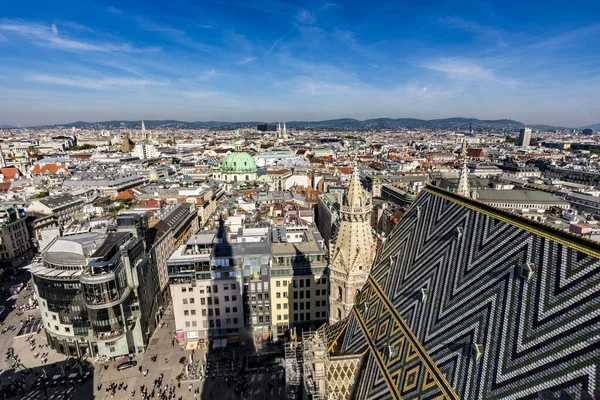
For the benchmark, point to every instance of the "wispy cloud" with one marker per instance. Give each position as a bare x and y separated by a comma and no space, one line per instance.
247,60
278,41
461,69
176,35
54,30
208,75
471,26
114,10
306,17
568,38
93,83
44,36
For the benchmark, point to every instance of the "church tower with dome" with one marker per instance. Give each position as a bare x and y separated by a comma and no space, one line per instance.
238,166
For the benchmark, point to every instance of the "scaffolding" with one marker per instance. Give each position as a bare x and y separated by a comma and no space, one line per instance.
315,362
292,371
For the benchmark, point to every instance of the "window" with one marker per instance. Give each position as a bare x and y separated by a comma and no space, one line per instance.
295,306
226,298
317,314
233,286
203,301
210,312
228,321
266,296
278,295
209,299
227,310
302,306
340,292
301,295
192,300
235,320
307,316
204,313
190,289
183,290
279,318
187,324
215,289
67,329
54,317
184,301
211,323
193,312
307,282
307,305
218,323
194,323
301,283
285,306
260,319
267,318
285,294
225,287
208,289
277,283
308,294
216,301
295,295
186,312
279,306
295,284
234,298
217,312
285,317
317,292
234,309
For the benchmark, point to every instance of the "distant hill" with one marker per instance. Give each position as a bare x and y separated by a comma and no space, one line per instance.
456,123
594,127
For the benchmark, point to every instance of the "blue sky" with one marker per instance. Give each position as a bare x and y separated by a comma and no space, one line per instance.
535,61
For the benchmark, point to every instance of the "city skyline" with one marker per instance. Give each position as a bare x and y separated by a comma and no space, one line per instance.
236,61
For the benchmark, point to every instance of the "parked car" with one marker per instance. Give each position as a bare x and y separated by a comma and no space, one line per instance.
126,365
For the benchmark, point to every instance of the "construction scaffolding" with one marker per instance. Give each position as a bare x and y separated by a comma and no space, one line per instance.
293,373
314,365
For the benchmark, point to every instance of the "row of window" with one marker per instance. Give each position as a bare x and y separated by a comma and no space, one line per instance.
211,311
214,289
211,323
209,300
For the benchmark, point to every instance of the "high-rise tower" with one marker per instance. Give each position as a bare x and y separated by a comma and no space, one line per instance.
351,251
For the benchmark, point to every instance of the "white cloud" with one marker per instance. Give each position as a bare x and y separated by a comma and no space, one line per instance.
43,36
247,60
94,83
461,69
54,30
306,17
115,11
208,75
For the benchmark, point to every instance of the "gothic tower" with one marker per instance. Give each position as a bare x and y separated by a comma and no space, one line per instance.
351,251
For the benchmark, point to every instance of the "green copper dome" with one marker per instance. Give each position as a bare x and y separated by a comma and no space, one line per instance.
238,162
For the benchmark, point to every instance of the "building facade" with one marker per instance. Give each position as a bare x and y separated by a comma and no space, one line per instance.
88,287
16,248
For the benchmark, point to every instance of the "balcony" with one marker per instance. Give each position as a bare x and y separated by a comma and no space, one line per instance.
107,336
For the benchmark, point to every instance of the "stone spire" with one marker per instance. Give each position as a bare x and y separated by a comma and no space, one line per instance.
351,251
463,179
144,137
285,136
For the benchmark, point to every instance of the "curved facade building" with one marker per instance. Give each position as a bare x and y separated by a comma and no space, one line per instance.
86,285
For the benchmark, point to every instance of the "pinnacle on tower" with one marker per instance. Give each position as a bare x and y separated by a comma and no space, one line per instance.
355,196
463,179
144,137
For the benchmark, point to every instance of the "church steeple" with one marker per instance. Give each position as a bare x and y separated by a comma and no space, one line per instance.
463,179
352,249
144,136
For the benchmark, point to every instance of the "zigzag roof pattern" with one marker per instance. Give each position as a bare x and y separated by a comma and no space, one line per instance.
468,301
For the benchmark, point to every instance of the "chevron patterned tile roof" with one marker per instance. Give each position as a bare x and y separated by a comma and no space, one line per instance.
466,301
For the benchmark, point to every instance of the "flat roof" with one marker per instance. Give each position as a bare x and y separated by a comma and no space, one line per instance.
519,196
